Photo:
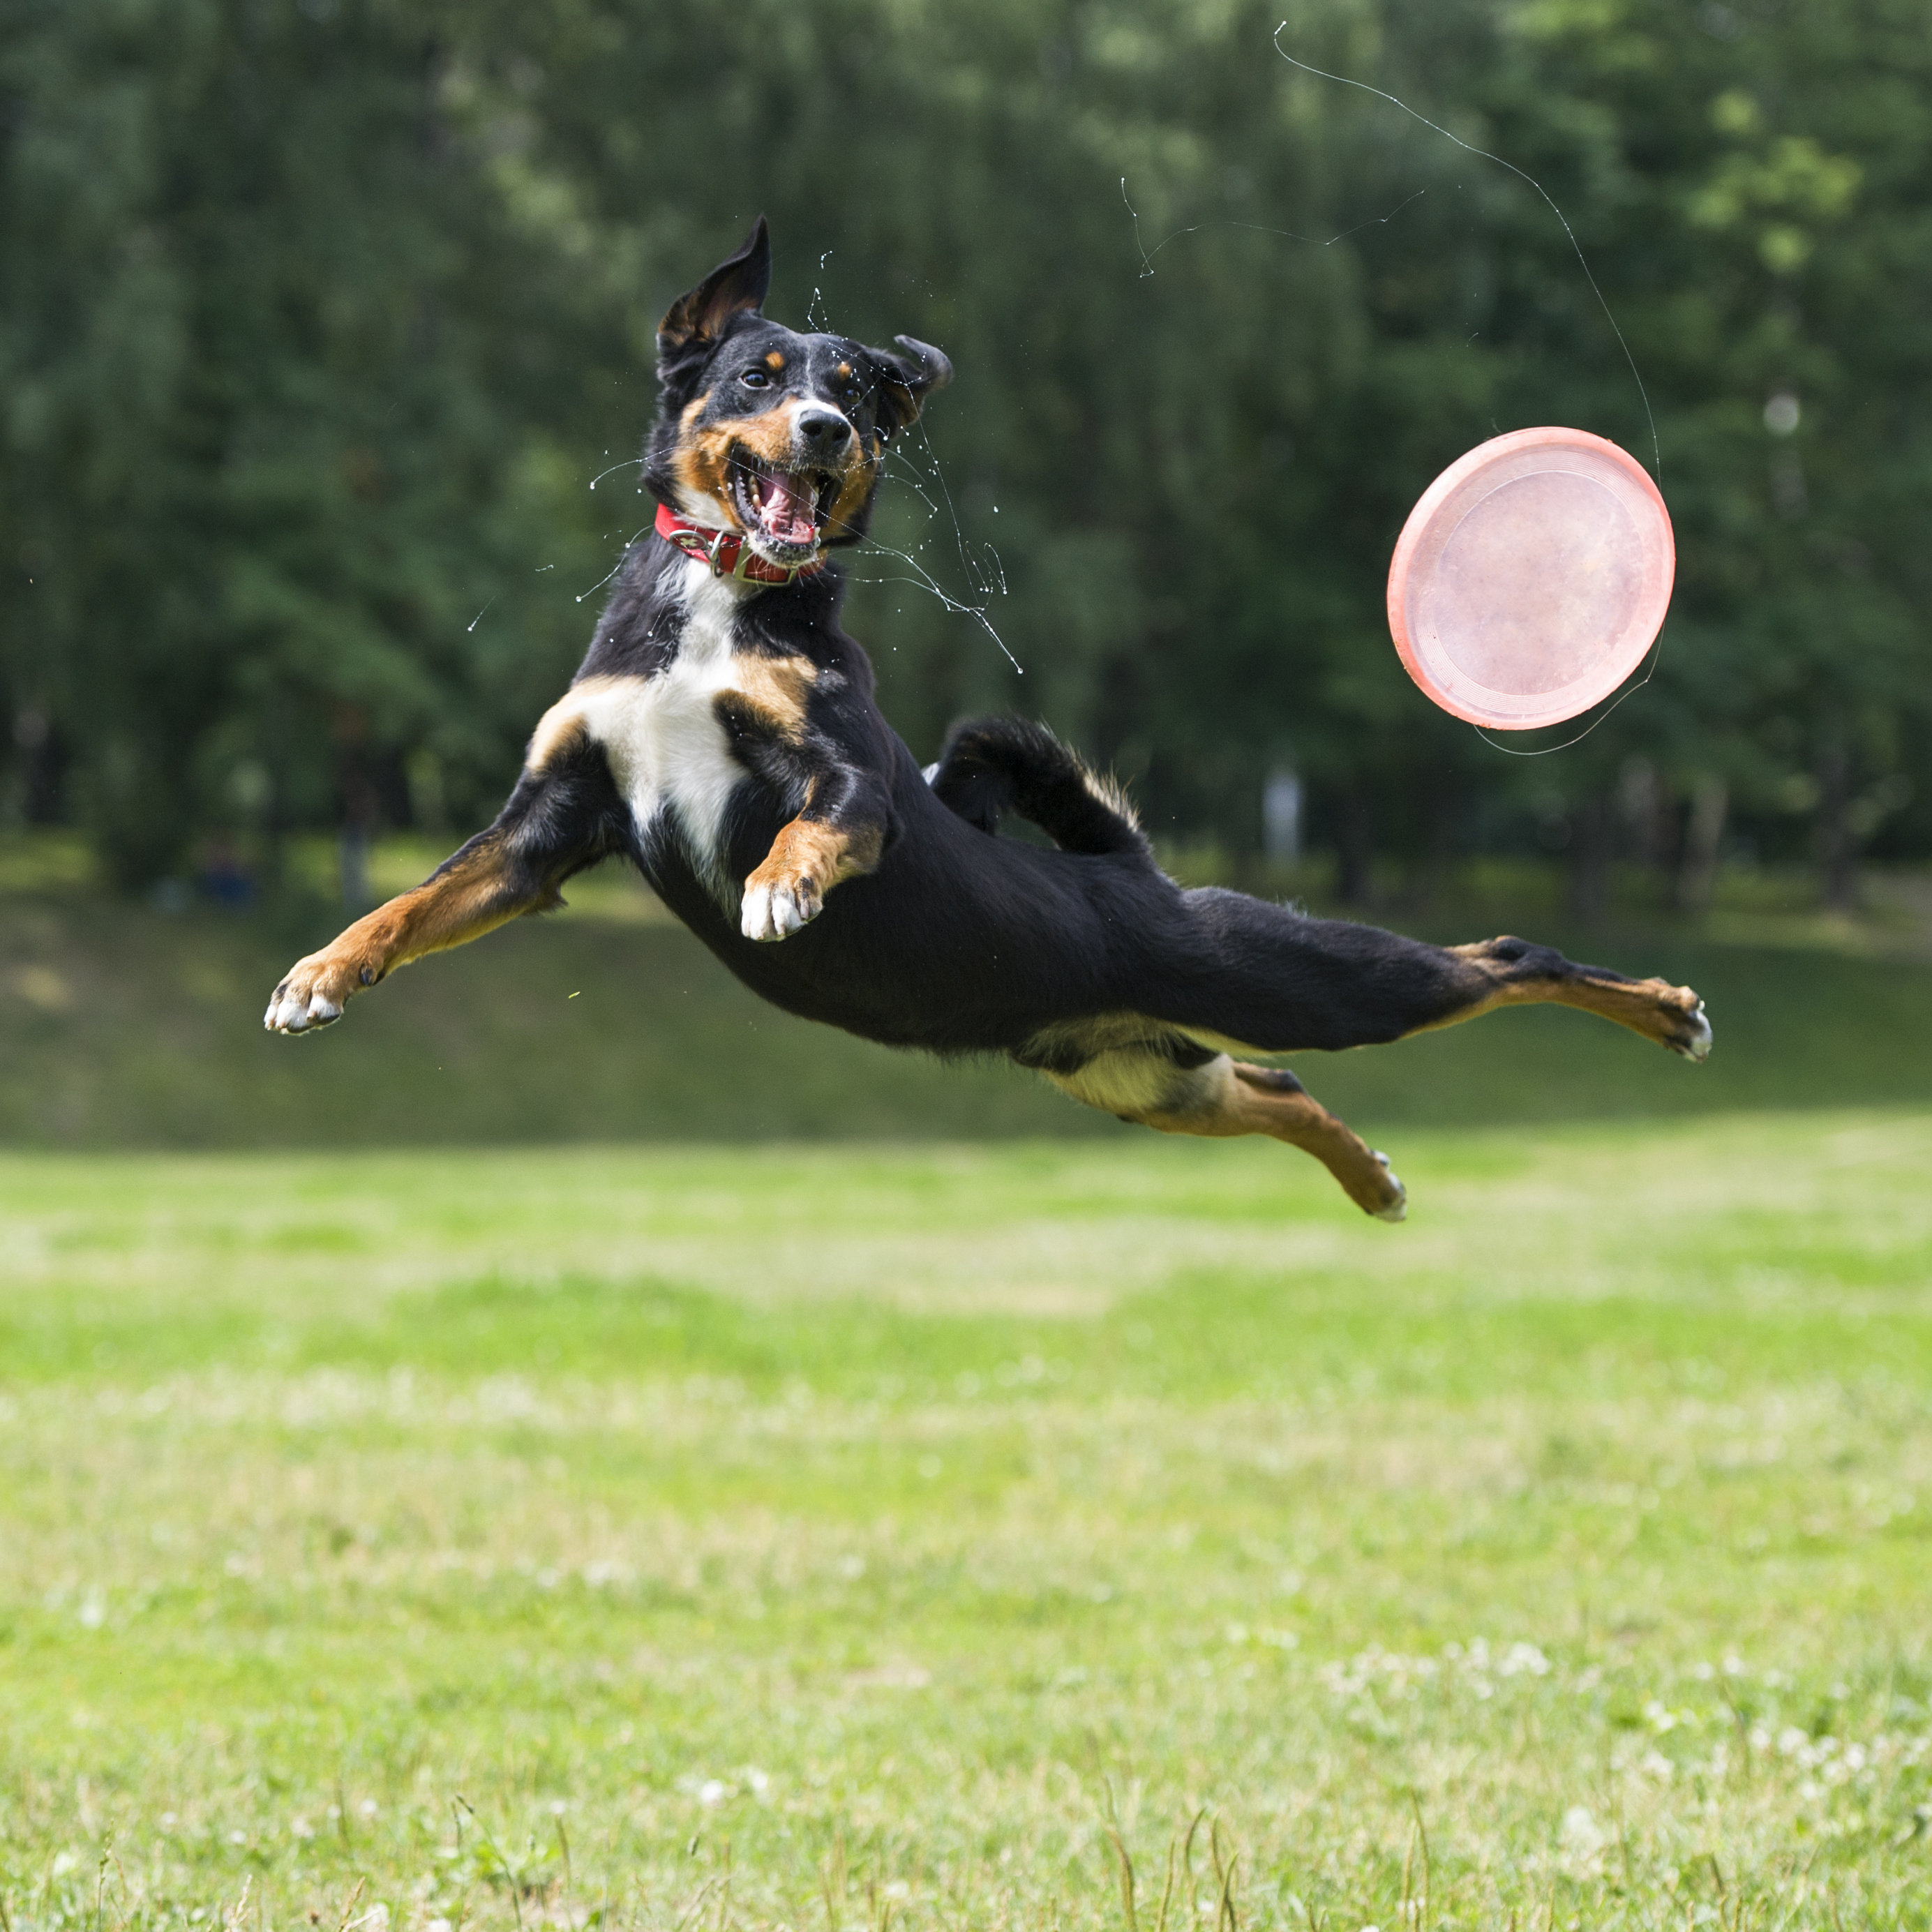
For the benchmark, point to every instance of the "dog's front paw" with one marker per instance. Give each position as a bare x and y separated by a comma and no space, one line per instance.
775,908
314,993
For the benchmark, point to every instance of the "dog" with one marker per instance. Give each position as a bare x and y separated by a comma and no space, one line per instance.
722,735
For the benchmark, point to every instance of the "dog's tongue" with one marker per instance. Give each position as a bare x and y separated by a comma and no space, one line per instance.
786,505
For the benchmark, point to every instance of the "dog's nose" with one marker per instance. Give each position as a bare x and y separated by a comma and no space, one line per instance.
822,433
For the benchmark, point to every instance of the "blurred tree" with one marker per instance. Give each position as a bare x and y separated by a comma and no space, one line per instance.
259,327
316,320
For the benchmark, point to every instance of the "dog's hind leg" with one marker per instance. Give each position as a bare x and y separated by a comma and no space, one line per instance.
1177,1088
1273,981
1274,1102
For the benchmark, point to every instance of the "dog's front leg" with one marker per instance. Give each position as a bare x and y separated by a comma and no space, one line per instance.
840,834
563,815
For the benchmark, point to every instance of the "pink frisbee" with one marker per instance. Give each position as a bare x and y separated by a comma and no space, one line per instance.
1531,578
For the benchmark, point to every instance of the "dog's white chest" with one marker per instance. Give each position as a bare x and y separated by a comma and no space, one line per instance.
669,751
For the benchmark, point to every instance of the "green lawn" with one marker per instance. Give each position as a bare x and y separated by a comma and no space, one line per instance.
765,1536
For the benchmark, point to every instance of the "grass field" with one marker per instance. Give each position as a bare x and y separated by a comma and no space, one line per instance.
763,1537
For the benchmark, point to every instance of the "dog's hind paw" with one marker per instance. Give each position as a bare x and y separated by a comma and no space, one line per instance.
1695,1041
1396,1207
777,911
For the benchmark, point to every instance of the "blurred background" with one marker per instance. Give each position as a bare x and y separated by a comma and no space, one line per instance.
319,320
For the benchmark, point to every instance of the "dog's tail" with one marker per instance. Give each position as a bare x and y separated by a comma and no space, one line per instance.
991,765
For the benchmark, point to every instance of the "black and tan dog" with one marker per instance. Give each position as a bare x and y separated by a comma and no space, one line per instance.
722,735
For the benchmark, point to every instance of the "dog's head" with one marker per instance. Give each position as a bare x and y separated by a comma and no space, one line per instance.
762,431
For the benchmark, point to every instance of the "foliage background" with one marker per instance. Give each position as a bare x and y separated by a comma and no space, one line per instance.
318,319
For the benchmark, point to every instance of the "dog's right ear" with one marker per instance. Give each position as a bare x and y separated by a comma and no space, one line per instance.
697,318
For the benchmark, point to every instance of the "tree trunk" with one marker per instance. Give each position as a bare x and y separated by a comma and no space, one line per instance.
1355,848
1697,871
1590,823
1444,801
1835,847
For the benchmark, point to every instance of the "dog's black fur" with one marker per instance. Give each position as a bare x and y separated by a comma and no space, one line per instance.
723,736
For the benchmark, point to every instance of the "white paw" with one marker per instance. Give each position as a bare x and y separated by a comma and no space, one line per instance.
1698,1046
311,997
1397,1209
291,1011
772,912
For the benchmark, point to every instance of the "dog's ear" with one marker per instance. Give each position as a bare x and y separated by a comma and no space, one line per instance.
909,378
698,317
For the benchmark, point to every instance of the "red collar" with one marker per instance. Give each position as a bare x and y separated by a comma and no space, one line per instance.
728,553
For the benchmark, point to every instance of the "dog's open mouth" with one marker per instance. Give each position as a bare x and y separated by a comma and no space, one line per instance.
785,508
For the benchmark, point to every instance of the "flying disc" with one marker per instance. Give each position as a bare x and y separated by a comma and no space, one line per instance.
1532,578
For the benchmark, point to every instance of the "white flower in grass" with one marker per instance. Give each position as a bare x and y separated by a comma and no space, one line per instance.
713,1791
1581,1837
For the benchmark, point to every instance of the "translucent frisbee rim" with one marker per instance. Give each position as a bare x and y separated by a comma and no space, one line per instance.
1455,691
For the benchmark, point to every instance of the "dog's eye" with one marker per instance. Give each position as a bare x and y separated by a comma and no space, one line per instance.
755,378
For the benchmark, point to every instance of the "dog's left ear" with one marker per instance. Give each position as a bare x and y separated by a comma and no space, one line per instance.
909,378
699,316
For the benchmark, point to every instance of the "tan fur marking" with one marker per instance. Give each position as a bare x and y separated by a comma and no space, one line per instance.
1221,1099
1661,1013
777,690
1302,1121
564,720
768,435
855,487
471,897
703,464
775,360
808,858
1658,1010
